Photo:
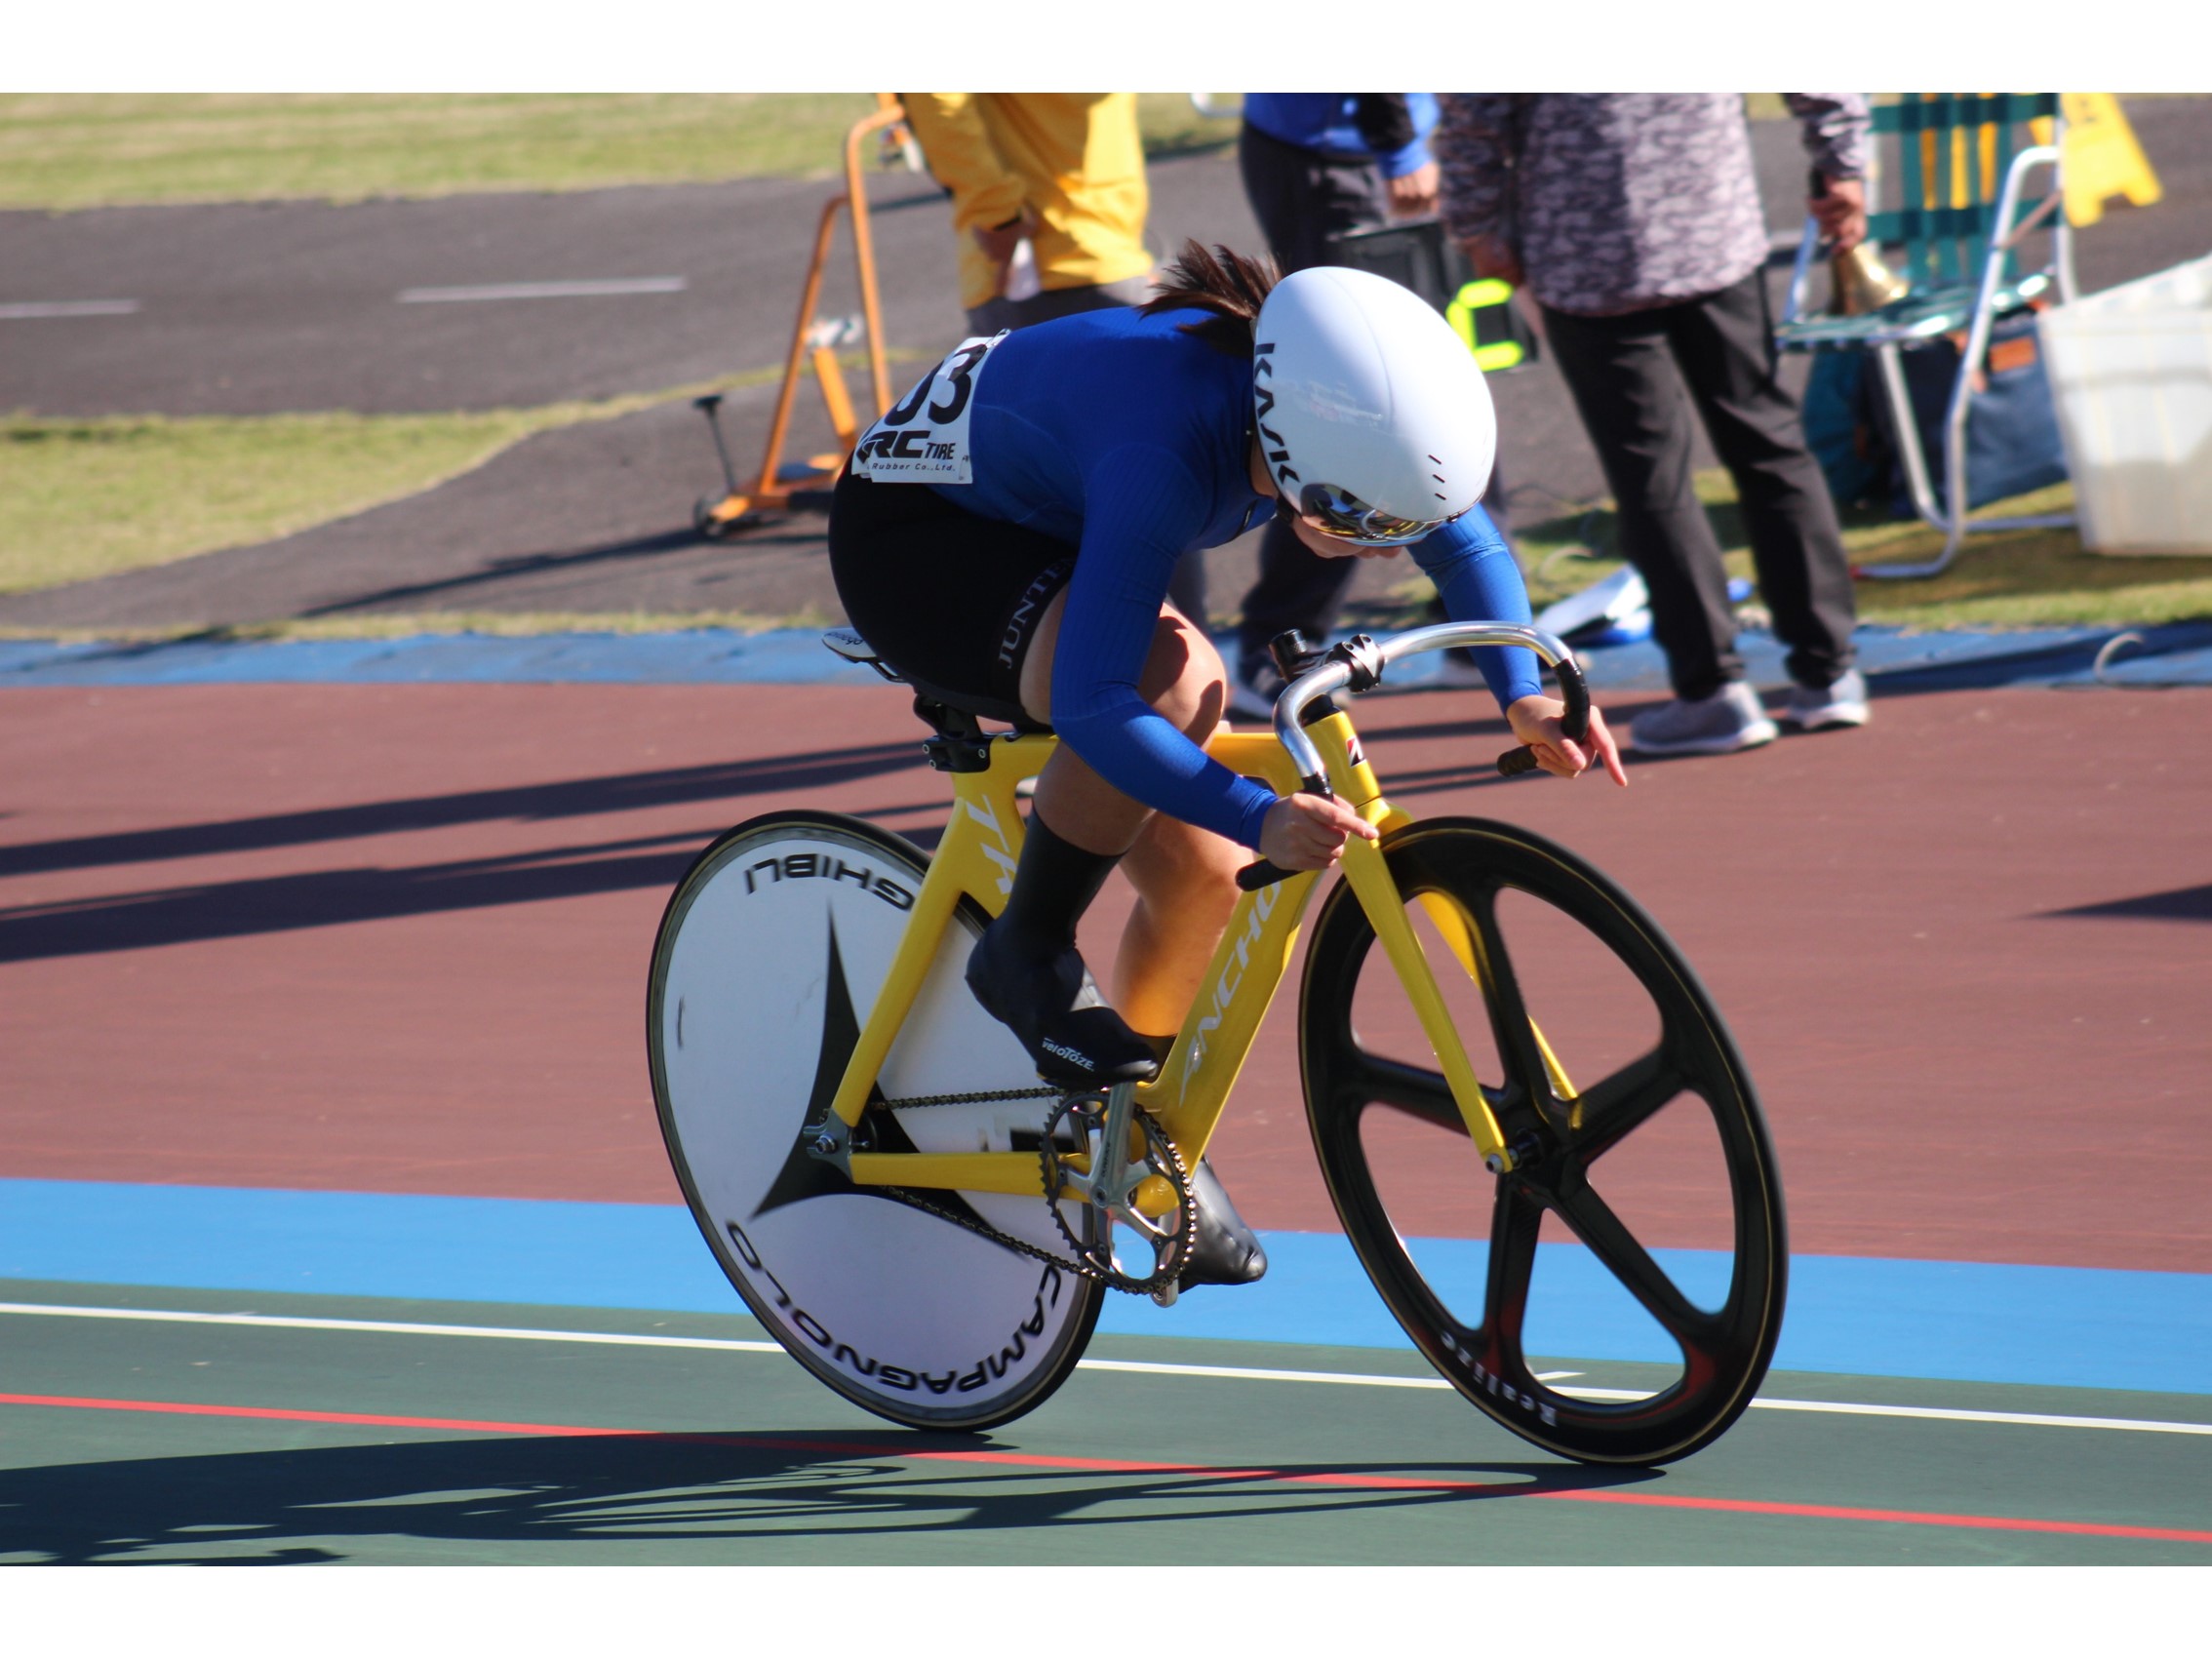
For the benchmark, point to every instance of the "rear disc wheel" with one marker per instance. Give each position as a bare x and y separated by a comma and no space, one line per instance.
770,954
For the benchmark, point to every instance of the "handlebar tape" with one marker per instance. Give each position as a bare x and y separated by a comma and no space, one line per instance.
1574,724
1265,873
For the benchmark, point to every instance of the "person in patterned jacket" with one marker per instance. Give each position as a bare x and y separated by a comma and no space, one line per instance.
1634,220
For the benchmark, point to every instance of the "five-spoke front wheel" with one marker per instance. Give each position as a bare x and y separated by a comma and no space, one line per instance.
1643,1218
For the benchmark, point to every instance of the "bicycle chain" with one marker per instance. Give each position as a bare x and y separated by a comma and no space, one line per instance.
1022,1246
983,1098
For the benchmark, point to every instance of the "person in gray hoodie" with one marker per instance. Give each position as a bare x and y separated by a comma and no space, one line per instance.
1634,220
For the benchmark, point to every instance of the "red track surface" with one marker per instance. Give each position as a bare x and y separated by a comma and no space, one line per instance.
395,938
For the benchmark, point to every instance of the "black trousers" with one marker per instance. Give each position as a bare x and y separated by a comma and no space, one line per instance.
1303,201
1636,378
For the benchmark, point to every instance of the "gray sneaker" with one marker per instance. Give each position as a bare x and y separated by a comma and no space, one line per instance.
1844,703
1728,720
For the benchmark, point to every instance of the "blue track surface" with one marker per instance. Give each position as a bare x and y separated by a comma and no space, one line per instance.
2176,653
1961,1321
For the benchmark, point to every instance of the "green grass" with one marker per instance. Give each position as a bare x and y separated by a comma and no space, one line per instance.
91,497
2010,579
84,498
65,151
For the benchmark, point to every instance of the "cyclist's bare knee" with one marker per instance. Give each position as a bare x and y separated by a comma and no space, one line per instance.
1185,870
1183,678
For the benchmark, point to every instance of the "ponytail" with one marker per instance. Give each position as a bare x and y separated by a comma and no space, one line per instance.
1229,287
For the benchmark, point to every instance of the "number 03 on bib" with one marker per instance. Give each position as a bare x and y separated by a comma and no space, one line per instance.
923,439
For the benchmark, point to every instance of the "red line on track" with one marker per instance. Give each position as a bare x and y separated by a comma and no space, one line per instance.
275,1413
1113,1466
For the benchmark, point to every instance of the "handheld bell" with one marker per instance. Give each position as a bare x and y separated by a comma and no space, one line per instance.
1863,283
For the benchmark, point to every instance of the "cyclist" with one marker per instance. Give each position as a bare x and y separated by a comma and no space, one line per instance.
1005,536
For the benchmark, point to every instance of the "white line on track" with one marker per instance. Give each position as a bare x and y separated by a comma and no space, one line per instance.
391,1327
1846,1409
541,290
27,310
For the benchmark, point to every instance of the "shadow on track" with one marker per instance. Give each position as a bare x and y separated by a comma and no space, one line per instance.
322,898
2181,904
646,1497
617,792
512,565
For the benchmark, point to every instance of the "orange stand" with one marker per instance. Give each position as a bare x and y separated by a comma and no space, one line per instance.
814,344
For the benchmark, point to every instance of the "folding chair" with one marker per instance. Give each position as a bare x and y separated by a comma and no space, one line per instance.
1961,176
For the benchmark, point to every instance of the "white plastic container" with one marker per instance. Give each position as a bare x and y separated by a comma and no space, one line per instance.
2131,377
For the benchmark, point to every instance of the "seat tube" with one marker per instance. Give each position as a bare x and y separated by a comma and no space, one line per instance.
974,859
933,906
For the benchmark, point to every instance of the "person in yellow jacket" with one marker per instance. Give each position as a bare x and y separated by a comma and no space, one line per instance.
1063,172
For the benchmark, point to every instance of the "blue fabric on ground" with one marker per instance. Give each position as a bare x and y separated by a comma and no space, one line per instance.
702,656
1895,662
1975,1321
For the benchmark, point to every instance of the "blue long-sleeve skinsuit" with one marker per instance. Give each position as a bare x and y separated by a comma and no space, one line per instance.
1129,439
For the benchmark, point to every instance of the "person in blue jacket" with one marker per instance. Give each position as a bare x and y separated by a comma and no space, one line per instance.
1318,167
1004,538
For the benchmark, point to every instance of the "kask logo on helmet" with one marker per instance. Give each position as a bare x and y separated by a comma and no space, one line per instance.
1263,405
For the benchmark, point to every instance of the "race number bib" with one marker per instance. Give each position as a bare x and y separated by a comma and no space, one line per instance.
924,439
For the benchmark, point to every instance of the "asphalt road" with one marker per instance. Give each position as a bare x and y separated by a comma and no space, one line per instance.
258,308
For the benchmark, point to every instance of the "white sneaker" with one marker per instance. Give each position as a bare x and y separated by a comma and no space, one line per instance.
1728,720
1844,703
1252,694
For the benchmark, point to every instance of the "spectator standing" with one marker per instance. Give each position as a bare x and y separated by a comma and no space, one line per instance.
1063,172
1634,219
1318,167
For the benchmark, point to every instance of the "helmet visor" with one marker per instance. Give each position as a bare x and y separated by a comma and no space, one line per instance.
1340,514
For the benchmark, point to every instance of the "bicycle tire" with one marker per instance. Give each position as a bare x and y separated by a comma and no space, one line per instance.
1725,1351
901,1311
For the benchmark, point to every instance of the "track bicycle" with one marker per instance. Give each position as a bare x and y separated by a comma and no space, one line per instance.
930,1230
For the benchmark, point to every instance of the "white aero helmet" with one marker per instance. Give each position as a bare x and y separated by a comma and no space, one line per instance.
1371,415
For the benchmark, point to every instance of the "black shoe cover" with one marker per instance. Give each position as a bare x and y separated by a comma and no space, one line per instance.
1053,1006
1225,1251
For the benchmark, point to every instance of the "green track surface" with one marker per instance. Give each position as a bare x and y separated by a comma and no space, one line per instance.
763,1466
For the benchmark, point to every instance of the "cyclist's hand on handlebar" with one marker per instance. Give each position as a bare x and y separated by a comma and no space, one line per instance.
1535,721
1306,832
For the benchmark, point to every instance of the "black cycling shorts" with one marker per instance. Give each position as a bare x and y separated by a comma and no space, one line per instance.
948,598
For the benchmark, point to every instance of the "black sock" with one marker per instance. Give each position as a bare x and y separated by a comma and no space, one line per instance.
1028,975
1053,884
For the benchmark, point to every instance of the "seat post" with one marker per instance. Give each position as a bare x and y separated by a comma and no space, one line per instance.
961,743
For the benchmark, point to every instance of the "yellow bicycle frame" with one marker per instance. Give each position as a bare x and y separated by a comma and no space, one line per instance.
976,859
